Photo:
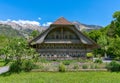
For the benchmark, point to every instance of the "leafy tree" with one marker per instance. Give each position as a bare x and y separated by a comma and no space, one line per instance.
108,37
114,27
35,33
18,49
4,40
116,15
111,30
95,34
114,47
103,42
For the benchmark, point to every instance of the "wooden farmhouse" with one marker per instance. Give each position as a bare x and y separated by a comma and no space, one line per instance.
63,39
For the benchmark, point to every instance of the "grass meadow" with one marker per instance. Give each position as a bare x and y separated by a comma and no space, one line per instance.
62,77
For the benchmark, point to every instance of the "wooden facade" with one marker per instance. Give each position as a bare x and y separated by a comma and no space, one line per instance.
62,39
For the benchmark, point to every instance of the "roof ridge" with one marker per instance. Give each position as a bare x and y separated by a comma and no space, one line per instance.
62,21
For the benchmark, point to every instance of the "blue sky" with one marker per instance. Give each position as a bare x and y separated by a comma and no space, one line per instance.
85,11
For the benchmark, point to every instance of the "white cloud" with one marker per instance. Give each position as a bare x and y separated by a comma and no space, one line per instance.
46,24
26,22
21,22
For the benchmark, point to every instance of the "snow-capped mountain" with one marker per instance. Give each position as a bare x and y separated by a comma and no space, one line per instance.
24,27
21,25
86,27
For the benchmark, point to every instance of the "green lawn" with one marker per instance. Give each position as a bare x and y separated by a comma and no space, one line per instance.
57,77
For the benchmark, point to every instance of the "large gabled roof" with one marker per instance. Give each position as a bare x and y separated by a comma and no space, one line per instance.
62,21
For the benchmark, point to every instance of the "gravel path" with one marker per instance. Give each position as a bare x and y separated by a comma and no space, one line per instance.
4,69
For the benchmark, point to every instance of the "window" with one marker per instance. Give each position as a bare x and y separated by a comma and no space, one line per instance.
57,36
66,37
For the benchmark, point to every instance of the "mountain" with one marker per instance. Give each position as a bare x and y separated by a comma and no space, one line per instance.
86,27
23,29
9,31
83,27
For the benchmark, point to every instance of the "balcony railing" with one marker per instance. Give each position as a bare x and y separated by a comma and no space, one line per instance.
62,41
62,50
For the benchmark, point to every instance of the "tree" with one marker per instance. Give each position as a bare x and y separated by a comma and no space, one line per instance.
18,49
103,42
114,47
95,34
111,29
5,49
116,15
114,27
35,33
3,41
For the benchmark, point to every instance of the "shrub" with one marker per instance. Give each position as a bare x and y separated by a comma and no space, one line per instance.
113,66
16,67
62,67
89,55
36,59
82,60
43,60
98,61
76,66
98,55
6,61
117,58
96,66
67,62
84,66
92,66
46,68
28,65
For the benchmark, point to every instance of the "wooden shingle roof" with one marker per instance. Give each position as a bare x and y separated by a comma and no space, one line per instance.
62,21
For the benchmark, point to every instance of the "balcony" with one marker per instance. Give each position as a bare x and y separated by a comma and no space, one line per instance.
61,41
